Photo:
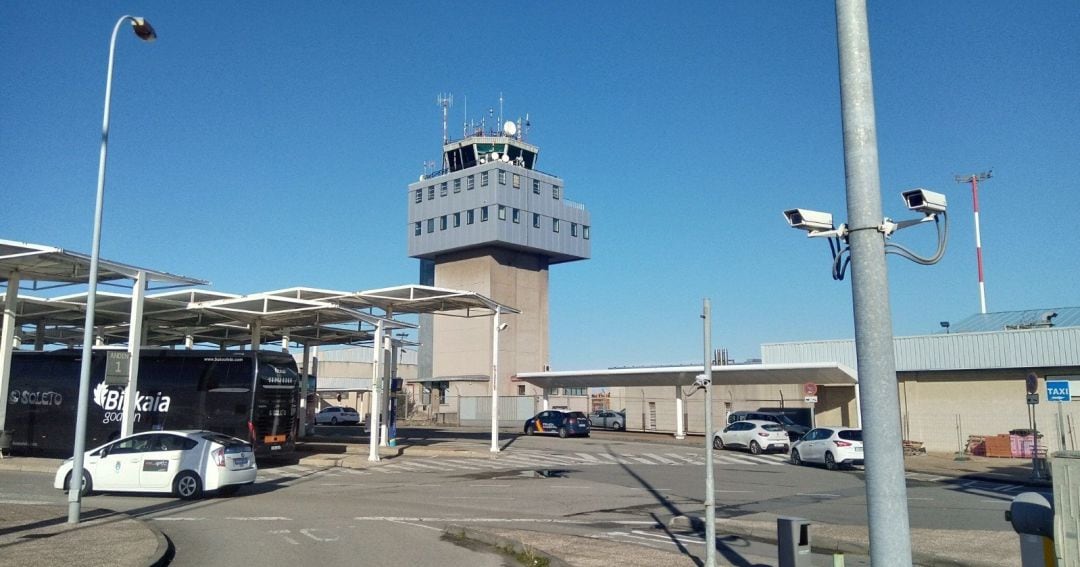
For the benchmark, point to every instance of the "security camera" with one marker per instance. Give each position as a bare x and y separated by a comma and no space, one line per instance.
701,381
504,326
926,202
806,219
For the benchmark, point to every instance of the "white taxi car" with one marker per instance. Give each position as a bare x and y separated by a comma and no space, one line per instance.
184,463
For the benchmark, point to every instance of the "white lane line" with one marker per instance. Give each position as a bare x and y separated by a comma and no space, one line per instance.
476,497
734,491
177,519
822,495
432,528
260,519
654,490
587,457
488,485
910,498
471,520
28,502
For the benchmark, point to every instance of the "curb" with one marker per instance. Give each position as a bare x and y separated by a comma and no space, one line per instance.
503,544
163,546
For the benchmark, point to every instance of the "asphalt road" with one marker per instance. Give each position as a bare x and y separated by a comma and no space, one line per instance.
608,487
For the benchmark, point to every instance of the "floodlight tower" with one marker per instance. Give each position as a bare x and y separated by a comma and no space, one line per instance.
974,179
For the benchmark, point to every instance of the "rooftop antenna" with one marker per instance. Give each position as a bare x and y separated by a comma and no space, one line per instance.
465,124
445,101
500,108
525,133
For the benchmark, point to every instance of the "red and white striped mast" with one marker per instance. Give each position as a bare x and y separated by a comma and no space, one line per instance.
974,179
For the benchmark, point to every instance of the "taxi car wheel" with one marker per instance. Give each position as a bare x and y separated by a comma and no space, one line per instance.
563,433
795,458
87,487
830,462
187,485
717,442
755,448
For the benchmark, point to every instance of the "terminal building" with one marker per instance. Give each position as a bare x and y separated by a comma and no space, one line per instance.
489,221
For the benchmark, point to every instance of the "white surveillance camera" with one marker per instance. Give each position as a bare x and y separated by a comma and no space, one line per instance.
926,202
806,219
701,381
504,326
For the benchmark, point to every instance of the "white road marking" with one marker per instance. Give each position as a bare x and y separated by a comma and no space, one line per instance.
817,495
260,519
285,537
310,533
660,459
177,519
426,527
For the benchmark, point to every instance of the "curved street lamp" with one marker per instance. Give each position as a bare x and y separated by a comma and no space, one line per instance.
144,31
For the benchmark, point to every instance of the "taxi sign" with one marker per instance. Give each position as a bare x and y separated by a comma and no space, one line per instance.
1058,391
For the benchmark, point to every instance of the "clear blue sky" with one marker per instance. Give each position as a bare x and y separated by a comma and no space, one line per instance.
262,145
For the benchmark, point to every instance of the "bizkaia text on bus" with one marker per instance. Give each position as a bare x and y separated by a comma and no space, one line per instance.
112,401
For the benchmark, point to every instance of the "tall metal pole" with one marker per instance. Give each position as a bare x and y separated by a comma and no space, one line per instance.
974,179
886,492
145,32
495,381
710,492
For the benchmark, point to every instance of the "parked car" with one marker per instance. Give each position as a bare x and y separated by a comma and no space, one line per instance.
794,430
184,463
562,423
756,435
834,447
608,419
335,415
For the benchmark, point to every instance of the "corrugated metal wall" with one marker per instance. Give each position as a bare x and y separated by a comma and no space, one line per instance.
1030,348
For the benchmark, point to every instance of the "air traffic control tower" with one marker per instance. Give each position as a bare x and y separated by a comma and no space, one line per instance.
490,222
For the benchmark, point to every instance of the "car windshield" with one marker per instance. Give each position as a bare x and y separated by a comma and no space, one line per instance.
772,427
850,434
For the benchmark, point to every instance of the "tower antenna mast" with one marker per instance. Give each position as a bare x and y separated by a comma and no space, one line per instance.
445,101
974,180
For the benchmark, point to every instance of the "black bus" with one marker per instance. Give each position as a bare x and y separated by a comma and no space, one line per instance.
246,394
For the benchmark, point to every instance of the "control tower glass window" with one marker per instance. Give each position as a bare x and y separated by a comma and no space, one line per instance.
536,220
536,186
431,225
470,216
457,185
585,232
516,215
442,222
502,212
517,181
431,192
442,189
573,229
554,225
502,177
483,214
416,228
555,192
457,220
471,183
419,196
483,179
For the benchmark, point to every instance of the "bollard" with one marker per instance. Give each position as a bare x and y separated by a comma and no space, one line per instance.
1032,516
793,542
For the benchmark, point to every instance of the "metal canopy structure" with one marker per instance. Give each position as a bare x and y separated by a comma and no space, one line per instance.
427,299
49,265
825,374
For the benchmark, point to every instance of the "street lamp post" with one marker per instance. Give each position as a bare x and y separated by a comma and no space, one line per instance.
145,32
496,328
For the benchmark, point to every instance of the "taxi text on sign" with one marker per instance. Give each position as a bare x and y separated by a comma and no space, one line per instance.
1062,390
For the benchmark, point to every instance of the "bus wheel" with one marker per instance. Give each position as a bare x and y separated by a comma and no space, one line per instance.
87,485
187,485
